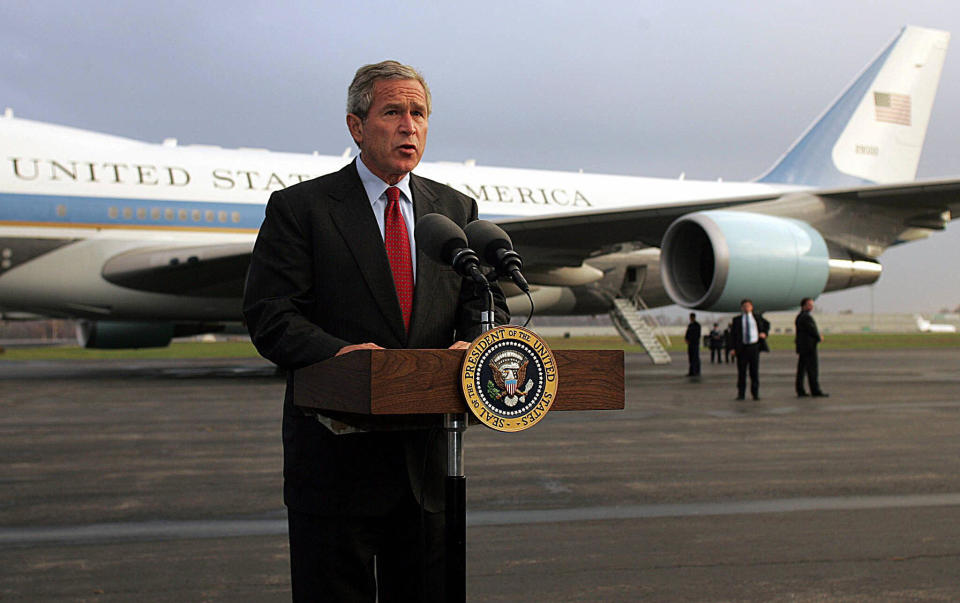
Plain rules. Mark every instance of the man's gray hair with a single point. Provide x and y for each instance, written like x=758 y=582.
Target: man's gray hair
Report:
x=360 y=92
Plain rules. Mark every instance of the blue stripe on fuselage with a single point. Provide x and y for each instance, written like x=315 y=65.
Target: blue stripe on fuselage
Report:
x=97 y=212
x=78 y=211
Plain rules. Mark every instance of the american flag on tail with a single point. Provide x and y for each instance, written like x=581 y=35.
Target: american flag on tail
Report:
x=892 y=108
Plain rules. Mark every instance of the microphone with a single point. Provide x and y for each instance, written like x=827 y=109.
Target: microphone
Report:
x=496 y=248
x=442 y=240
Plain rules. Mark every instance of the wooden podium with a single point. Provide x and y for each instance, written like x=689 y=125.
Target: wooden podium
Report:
x=379 y=383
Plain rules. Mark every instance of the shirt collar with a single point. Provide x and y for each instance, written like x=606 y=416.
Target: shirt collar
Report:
x=375 y=187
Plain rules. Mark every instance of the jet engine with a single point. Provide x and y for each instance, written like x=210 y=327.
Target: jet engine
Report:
x=711 y=260
x=116 y=335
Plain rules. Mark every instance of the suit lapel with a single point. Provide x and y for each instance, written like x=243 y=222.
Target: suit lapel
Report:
x=354 y=218
x=425 y=201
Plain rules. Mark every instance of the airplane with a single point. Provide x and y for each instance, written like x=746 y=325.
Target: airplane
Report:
x=925 y=326
x=143 y=242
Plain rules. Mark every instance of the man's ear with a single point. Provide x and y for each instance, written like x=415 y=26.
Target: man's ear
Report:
x=355 y=125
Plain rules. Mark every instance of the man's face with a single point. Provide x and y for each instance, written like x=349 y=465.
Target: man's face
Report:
x=747 y=307
x=808 y=305
x=394 y=133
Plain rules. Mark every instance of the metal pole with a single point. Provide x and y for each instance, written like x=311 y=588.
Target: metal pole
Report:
x=456 y=509
x=455 y=490
x=486 y=319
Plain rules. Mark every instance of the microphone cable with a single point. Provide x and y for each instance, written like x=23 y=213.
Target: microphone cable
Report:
x=491 y=307
x=530 y=315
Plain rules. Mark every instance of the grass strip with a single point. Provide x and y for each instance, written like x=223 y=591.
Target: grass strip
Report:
x=176 y=350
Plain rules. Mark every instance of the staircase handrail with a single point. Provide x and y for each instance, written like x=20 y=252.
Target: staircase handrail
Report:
x=651 y=321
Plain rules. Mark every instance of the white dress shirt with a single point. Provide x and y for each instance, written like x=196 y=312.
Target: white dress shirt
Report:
x=377 y=194
x=754 y=333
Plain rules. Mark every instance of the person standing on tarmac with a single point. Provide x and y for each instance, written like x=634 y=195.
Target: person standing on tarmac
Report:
x=807 y=339
x=692 y=338
x=749 y=333
x=716 y=339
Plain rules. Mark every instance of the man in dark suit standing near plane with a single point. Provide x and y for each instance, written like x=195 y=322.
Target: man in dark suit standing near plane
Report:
x=749 y=332
x=692 y=337
x=336 y=269
x=807 y=339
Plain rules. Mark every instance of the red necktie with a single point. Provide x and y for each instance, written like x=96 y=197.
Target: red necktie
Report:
x=398 y=252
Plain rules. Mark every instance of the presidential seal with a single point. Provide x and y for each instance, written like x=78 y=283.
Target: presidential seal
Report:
x=509 y=378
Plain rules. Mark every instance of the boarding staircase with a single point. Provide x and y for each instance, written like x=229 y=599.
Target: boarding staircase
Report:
x=636 y=325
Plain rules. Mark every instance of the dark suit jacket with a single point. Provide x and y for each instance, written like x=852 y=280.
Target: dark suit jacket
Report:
x=692 y=336
x=319 y=280
x=808 y=336
x=736 y=332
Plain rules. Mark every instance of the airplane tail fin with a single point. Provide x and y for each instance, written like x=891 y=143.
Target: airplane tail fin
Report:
x=873 y=133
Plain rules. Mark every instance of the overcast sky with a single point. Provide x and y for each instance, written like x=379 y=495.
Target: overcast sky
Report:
x=712 y=89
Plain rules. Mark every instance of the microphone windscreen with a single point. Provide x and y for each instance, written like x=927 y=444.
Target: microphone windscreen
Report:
x=486 y=238
x=439 y=236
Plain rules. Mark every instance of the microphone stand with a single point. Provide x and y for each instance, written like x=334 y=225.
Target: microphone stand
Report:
x=455 y=488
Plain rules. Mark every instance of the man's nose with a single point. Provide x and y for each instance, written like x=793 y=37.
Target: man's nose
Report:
x=407 y=124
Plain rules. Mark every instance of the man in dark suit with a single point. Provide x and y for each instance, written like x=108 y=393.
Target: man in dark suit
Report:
x=716 y=339
x=692 y=337
x=749 y=332
x=335 y=269
x=806 y=340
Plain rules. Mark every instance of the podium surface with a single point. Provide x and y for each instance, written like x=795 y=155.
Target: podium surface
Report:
x=391 y=382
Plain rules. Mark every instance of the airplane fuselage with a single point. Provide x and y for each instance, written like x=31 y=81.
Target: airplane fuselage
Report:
x=71 y=200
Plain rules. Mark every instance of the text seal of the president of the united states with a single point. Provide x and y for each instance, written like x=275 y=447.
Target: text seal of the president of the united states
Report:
x=509 y=378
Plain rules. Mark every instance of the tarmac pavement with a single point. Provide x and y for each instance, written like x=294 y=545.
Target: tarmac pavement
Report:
x=160 y=481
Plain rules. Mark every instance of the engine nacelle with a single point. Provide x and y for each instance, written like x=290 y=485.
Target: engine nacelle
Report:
x=711 y=260
x=115 y=335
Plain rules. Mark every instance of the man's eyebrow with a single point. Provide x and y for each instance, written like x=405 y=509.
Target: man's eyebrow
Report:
x=416 y=105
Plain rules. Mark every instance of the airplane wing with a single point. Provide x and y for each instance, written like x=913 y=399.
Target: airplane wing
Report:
x=568 y=239
x=930 y=195
x=565 y=239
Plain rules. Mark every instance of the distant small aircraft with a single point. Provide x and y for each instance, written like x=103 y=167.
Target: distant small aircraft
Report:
x=925 y=326
x=144 y=241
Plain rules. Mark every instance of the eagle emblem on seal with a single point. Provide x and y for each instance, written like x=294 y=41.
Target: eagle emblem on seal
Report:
x=509 y=370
